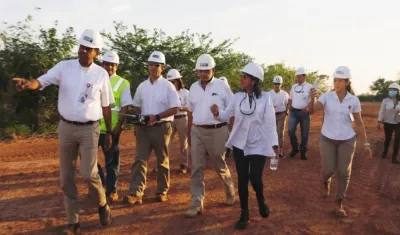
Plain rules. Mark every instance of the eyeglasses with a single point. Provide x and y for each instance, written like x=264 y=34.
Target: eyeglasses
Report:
x=277 y=84
x=153 y=65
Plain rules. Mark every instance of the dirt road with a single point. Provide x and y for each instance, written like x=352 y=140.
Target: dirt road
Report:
x=31 y=201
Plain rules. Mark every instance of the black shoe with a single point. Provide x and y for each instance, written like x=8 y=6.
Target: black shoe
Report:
x=395 y=162
x=105 y=215
x=263 y=209
x=293 y=153
x=73 y=229
x=243 y=220
x=303 y=155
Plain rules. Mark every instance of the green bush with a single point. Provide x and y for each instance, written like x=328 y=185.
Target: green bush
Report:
x=22 y=130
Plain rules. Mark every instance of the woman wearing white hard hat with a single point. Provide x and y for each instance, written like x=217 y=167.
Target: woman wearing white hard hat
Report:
x=253 y=137
x=389 y=117
x=338 y=138
x=179 y=125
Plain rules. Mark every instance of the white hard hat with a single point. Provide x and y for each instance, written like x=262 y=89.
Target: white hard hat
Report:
x=300 y=71
x=254 y=70
x=111 y=57
x=278 y=79
x=342 y=72
x=173 y=74
x=91 y=39
x=157 y=57
x=395 y=86
x=205 y=62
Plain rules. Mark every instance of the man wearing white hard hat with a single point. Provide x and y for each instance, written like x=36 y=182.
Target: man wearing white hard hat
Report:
x=157 y=101
x=338 y=137
x=179 y=125
x=84 y=97
x=253 y=137
x=122 y=95
x=389 y=118
x=280 y=99
x=207 y=136
x=298 y=105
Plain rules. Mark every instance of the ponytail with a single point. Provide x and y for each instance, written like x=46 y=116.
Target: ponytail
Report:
x=349 y=89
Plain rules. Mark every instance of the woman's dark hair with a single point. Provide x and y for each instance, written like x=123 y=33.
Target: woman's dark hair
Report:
x=180 y=84
x=349 y=89
x=256 y=87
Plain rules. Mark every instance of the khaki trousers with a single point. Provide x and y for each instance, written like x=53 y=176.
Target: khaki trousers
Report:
x=147 y=139
x=337 y=155
x=211 y=143
x=179 y=125
x=280 y=128
x=85 y=139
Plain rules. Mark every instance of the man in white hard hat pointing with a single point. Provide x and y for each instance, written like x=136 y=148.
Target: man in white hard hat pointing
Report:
x=280 y=99
x=84 y=98
x=157 y=100
x=122 y=95
x=207 y=136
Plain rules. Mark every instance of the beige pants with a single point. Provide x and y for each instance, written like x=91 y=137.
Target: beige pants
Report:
x=147 y=139
x=211 y=143
x=85 y=139
x=337 y=155
x=179 y=125
x=280 y=128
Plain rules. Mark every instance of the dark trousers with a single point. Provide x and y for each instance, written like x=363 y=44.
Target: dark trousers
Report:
x=112 y=164
x=389 y=129
x=249 y=168
x=296 y=117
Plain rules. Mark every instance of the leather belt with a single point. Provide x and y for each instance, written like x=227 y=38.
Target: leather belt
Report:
x=78 y=123
x=214 y=126
x=180 y=116
x=155 y=124
x=277 y=113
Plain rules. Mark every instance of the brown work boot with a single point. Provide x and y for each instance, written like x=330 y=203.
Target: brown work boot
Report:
x=183 y=169
x=113 y=197
x=339 y=211
x=161 y=197
x=194 y=211
x=325 y=189
x=105 y=215
x=73 y=229
x=133 y=199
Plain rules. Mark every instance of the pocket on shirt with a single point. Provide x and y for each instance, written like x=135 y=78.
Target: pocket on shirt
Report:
x=161 y=97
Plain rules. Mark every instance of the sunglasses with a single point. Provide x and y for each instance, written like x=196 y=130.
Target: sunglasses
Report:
x=277 y=84
x=153 y=65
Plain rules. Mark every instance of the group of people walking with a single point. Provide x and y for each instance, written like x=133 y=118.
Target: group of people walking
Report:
x=208 y=118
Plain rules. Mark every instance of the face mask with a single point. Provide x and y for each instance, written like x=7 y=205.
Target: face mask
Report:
x=392 y=93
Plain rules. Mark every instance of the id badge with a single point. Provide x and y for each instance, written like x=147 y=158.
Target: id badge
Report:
x=351 y=117
x=82 y=97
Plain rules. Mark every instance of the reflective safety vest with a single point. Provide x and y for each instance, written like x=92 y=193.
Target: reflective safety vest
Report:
x=118 y=85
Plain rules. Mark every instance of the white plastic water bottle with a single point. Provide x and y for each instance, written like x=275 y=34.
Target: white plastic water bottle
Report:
x=273 y=164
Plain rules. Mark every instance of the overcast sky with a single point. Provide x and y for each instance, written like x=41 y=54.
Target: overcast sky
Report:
x=319 y=35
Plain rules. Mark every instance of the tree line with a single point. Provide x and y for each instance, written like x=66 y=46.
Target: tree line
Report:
x=28 y=52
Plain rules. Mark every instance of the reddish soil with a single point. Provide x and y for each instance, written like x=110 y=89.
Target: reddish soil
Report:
x=32 y=203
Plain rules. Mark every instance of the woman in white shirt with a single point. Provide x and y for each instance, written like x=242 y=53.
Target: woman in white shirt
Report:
x=338 y=138
x=253 y=137
x=179 y=125
x=389 y=117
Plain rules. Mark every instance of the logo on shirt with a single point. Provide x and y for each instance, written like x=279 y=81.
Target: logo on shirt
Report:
x=86 y=38
x=214 y=94
x=349 y=107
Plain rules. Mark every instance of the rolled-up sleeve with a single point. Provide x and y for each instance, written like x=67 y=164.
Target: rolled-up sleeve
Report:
x=106 y=95
x=173 y=97
x=52 y=77
x=229 y=111
x=137 y=97
x=270 y=122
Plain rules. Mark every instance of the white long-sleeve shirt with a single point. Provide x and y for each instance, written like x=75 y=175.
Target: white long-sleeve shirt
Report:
x=255 y=133
x=389 y=112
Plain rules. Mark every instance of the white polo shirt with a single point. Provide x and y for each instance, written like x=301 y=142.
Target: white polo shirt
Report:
x=254 y=133
x=76 y=82
x=337 y=121
x=216 y=92
x=279 y=100
x=156 y=98
x=183 y=98
x=300 y=95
